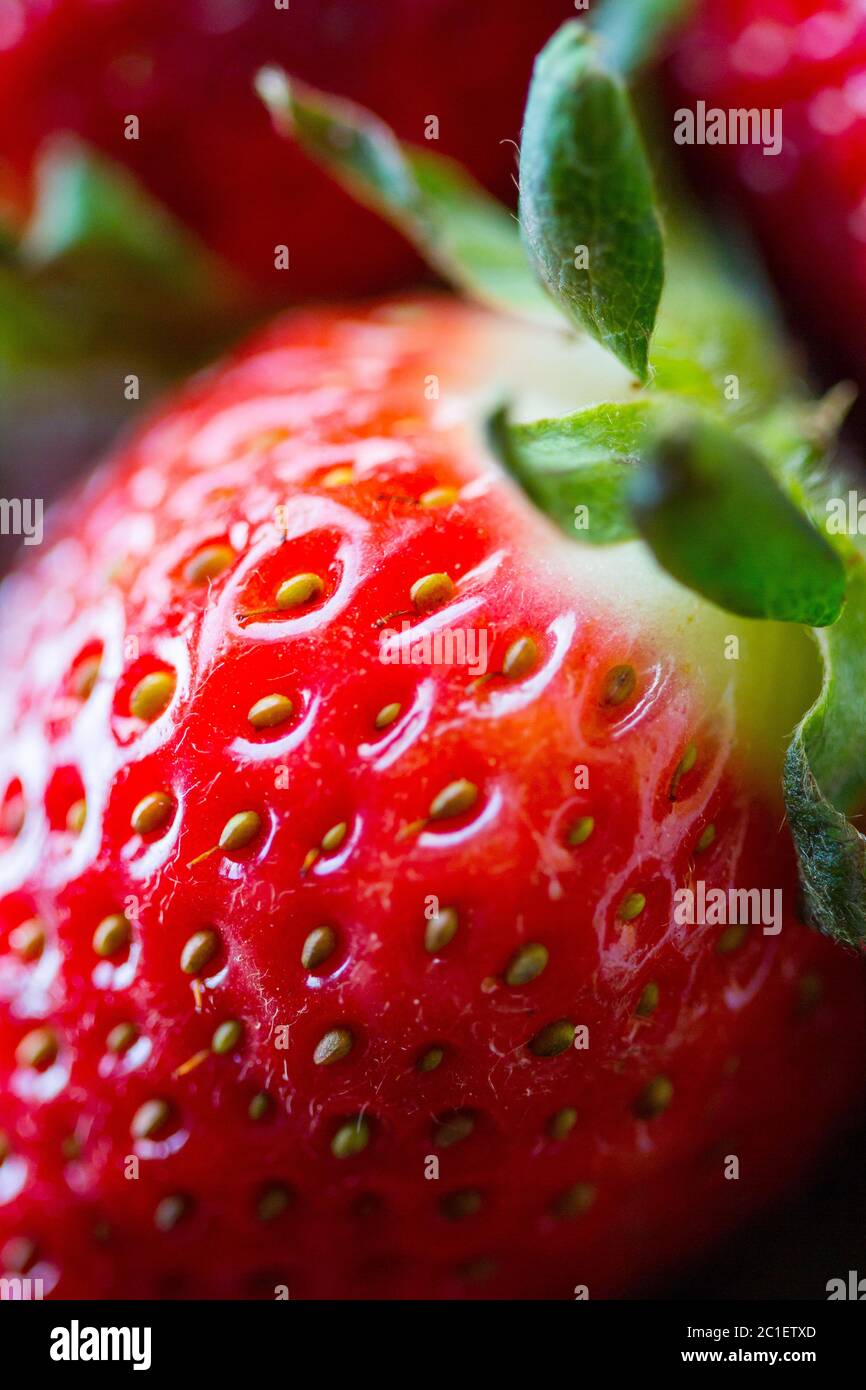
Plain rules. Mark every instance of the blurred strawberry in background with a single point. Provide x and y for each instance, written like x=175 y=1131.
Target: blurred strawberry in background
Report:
x=807 y=204
x=97 y=282
x=205 y=145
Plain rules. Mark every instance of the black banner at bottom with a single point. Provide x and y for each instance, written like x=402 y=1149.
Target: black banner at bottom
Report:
x=60 y=1339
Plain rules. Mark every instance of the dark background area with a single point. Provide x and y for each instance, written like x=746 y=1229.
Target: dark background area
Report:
x=791 y=1252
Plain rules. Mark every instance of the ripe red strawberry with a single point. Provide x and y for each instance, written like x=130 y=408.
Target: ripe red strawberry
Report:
x=428 y=881
x=185 y=68
x=807 y=205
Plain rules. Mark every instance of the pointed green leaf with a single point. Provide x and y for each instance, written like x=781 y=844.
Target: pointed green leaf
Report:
x=102 y=264
x=718 y=521
x=461 y=231
x=576 y=468
x=587 y=209
x=87 y=207
x=92 y=213
x=825 y=778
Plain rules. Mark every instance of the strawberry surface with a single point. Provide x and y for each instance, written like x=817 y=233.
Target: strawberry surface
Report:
x=205 y=145
x=807 y=205
x=260 y=963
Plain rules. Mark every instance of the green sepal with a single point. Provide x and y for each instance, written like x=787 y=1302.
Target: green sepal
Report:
x=577 y=467
x=824 y=781
x=718 y=521
x=463 y=233
x=587 y=203
x=101 y=265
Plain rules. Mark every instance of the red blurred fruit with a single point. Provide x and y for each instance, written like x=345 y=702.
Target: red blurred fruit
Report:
x=807 y=204
x=286 y=921
x=206 y=147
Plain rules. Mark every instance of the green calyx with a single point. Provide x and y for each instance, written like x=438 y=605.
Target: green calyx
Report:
x=717 y=520
x=587 y=210
x=718 y=463
x=825 y=776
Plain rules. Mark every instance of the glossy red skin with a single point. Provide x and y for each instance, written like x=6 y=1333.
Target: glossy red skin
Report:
x=807 y=206
x=755 y=1073
x=207 y=147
